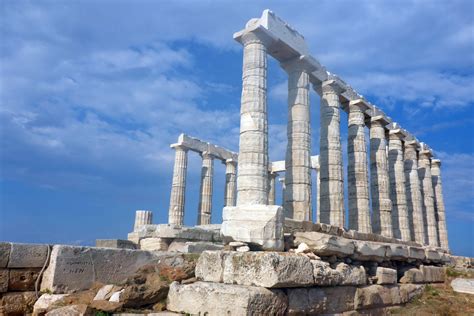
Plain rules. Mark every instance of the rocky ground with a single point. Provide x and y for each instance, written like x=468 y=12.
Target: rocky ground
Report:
x=440 y=299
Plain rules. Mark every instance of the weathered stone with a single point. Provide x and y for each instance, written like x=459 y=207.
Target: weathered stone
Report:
x=386 y=276
x=23 y=279
x=5 y=248
x=178 y=185
x=416 y=253
x=4 y=280
x=260 y=225
x=153 y=244
x=324 y=300
x=17 y=303
x=243 y=249
x=77 y=268
x=399 y=252
x=433 y=274
x=341 y=274
x=412 y=276
x=373 y=296
x=237 y=244
x=461 y=285
x=410 y=291
x=116 y=296
x=193 y=246
x=210 y=266
x=366 y=250
x=72 y=310
x=268 y=269
x=302 y=248
x=45 y=302
x=351 y=275
x=225 y=299
x=170 y=231
x=28 y=255
x=115 y=243
x=104 y=292
x=205 y=196
x=325 y=245
x=432 y=255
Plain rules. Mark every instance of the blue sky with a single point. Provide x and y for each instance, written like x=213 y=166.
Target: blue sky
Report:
x=93 y=92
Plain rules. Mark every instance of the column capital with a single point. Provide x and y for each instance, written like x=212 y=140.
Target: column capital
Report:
x=425 y=150
x=206 y=155
x=230 y=161
x=255 y=35
x=359 y=105
x=330 y=86
x=436 y=162
x=300 y=63
x=179 y=146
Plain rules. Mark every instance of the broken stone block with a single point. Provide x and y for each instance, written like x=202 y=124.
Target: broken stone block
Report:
x=115 y=243
x=203 y=298
x=201 y=233
x=193 y=246
x=210 y=266
x=268 y=269
x=433 y=274
x=412 y=275
x=260 y=225
x=325 y=245
x=71 y=310
x=461 y=285
x=23 y=279
x=373 y=296
x=324 y=275
x=370 y=251
x=432 y=255
x=153 y=244
x=45 y=302
x=416 y=253
x=320 y=300
x=386 y=275
x=17 y=303
x=398 y=252
x=104 y=292
x=77 y=268
x=5 y=248
x=351 y=275
x=410 y=291
x=4 y=280
x=28 y=255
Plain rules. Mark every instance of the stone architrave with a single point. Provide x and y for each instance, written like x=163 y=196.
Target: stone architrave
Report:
x=357 y=174
x=424 y=171
x=330 y=156
x=400 y=222
x=439 y=202
x=142 y=218
x=297 y=203
x=272 y=188
x=381 y=203
x=230 y=182
x=178 y=187
x=205 y=199
x=413 y=192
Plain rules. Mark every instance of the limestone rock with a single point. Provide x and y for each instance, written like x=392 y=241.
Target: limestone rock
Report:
x=104 y=292
x=399 y=252
x=324 y=275
x=5 y=248
x=243 y=249
x=27 y=255
x=320 y=300
x=412 y=276
x=225 y=299
x=153 y=244
x=23 y=279
x=115 y=243
x=45 y=302
x=410 y=291
x=268 y=269
x=17 y=303
x=116 y=296
x=373 y=296
x=433 y=274
x=302 y=248
x=201 y=233
x=432 y=255
x=4 y=276
x=193 y=246
x=386 y=275
x=72 y=310
x=461 y=285
x=325 y=245
x=370 y=251
x=210 y=266
x=416 y=253
x=351 y=275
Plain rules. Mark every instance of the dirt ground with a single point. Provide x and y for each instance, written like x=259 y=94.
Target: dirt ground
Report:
x=440 y=299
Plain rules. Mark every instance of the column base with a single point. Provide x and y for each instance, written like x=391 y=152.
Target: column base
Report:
x=258 y=225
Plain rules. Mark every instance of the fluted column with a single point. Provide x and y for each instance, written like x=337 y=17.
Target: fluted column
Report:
x=272 y=188
x=357 y=173
x=424 y=171
x=318 y=199
x=439 y=202
x=230 y=182
x=381 y=203
x=178 y=186
x=205 y=198
x=413 y=192
x=400 y=223
x=142 y=218
x=298 y=151
x=283 y=187
x=252 y=168
x=330 y=156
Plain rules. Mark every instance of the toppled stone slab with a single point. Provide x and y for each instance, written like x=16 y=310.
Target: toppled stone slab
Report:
x=27 y=255
x=5 y=249
x=320 y=300
x=153 y=244
x=23 y=279
x=461 y=285
x=325 y=244
x=374 y=296
x=115 y=243
x=203 y=298
x=433 y=274
x=257 y=225
x=193 y=246
x=77 y=268
x=386 y=275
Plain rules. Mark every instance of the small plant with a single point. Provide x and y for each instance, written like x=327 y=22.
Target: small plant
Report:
x=102 y=313
x=431 y=290
x=451 y=272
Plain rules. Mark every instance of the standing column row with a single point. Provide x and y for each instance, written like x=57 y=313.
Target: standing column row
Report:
x=439 y=203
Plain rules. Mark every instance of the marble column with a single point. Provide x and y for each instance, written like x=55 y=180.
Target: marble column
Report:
x=424 y=171
x=272 y=188
x=297 y=203
x=252 y=181
x=357 y=173
x=318 y=199
x=230 y=182
x=400 y=223
x=205 y=198
x=381 y=203
x=142 y=218
x=178 y=186
x=330 y=156
x=439 y=202
x=283 y=187
x=413 y=192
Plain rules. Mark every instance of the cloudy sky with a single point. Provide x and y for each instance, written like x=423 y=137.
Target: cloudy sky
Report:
x=93 y=92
